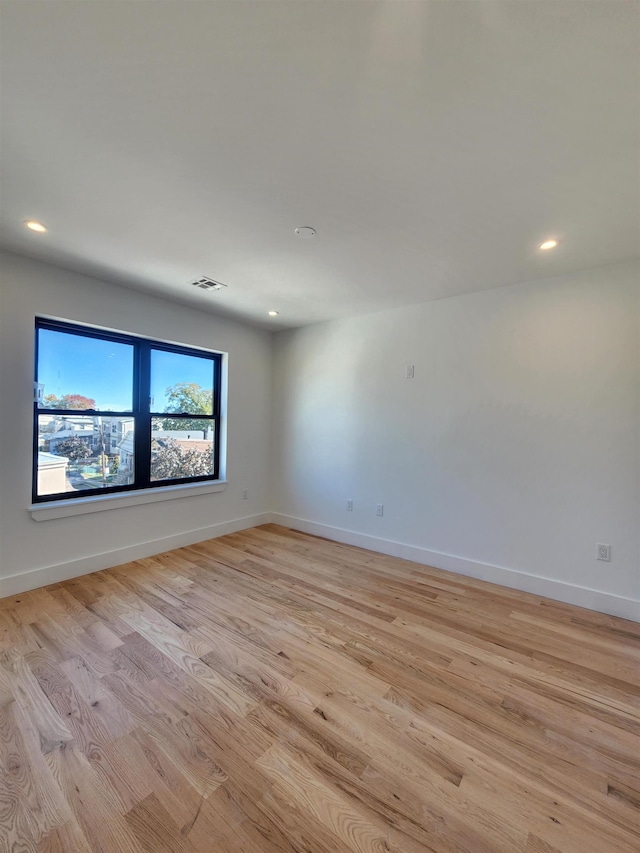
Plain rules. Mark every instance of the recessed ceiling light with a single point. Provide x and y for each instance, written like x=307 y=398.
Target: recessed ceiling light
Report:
x=273 y=313
x=34 y=225
x=548 y=244
x=306 y=231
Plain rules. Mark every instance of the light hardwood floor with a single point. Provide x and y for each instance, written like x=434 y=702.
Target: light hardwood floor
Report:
x=272 y=691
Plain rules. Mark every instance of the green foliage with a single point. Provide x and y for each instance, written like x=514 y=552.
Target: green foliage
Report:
x=188 y=397
x=69 y=401
x=73 y=448
x=172 y=461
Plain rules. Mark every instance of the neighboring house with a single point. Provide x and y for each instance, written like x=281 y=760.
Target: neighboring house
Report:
x=61 y=427
x=52 y=474
x=92 y=430
x=52 y=441
x=189 y=443
x=126 y=450
x=117 y=428
x=200 y=445
x=195 y=439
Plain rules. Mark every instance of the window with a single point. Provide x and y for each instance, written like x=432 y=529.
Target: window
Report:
x=117 y=413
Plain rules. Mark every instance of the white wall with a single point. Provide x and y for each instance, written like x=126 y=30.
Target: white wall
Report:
x=515 y=449
x=52 y=549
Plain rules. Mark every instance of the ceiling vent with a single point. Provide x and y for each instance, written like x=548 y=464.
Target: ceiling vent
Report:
x=205 y=283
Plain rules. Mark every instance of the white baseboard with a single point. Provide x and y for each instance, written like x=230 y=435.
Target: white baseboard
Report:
x=15 y=584
x=593 y=599
x=603 y=602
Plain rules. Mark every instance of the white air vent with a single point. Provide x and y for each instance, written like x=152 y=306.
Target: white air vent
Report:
x=205 y=283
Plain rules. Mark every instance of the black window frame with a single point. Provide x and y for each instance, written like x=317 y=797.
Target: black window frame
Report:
x=141 y=410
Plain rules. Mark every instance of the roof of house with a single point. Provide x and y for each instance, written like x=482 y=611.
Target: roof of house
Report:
x=50 y=460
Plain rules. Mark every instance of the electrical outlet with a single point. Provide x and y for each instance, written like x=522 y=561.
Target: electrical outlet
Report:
x=245 y=494
x=603 y=552
x=380 y=509
x=349 y=505
x=409 y=374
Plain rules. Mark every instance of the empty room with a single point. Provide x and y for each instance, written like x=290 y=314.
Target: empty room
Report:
x=320 y=426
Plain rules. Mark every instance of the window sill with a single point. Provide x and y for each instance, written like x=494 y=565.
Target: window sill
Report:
x=98 y=503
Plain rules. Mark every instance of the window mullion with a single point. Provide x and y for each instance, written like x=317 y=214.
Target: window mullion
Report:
x=142 y=384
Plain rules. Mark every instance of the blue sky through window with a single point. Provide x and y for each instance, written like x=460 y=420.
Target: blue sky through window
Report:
x=169 y=368
x=102 y=370
x=98 y=369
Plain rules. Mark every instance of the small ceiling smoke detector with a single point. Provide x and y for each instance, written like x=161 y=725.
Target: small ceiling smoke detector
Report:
x=548 y=244
x=273 y=313
x=206 y=283
x=306 y=231
x=34 y=225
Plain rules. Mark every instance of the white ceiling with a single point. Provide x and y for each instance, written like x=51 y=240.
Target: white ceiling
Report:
x=432 y=145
